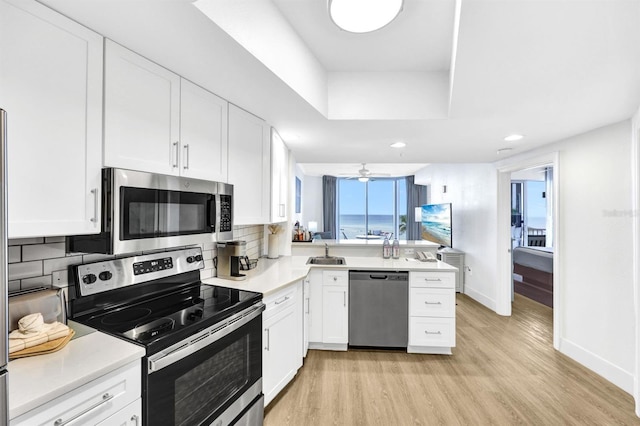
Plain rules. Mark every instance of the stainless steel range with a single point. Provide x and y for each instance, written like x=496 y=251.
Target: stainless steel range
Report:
x=203 y=362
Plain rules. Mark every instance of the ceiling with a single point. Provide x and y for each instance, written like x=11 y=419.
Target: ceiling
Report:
x=450 y=79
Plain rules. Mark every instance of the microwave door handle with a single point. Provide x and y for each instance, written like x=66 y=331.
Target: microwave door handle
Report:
x=214 y=212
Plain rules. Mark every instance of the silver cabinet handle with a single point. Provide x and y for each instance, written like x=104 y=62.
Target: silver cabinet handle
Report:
x=281 y=210
x=105 y=398
x=176 y=150
x=186 y=156
x=432 y=279
x=432 y=303
x=268 y=335
x=94 y=219
x=134 y=419
x=307 y=310
x=284 y=299
x=432 y=332
x=344 y=294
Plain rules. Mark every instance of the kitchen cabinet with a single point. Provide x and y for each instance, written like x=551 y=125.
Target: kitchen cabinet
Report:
x=306 y=318
x=115 y=394
x=158 y=122
x=335 y=309
x=249 y=167
x=282 y=340
x=279 y=178
x=432 y=312
x=51 y=79
x=315 y=308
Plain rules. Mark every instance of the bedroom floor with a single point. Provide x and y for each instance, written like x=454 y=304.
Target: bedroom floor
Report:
x=504 y=371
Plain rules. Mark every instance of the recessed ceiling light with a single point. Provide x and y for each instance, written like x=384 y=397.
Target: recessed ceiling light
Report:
x=513 y=138
x=504 y=150
x=363 y=16
x=398 y=145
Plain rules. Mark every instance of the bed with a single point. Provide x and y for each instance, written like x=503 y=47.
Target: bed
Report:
x=533 y=273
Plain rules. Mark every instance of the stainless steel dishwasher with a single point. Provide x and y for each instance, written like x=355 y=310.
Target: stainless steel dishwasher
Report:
x=378 y=308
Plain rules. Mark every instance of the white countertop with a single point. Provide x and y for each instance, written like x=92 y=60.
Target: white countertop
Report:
x=271 y=275
x=36 y=380
x=366 y=242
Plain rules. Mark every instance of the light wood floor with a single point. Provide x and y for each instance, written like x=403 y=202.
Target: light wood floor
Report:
x=504 y=371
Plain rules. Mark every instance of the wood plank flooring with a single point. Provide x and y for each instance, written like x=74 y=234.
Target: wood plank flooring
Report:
x=504 y=371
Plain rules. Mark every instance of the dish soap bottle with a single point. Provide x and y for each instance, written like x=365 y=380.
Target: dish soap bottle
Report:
x=386 y=248
x=396 y=249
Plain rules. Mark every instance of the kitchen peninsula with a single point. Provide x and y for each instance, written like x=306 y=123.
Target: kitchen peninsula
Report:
x=307 y=307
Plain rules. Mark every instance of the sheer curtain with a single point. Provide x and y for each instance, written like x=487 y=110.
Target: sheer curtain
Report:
x=329 y=200
x=416 y=196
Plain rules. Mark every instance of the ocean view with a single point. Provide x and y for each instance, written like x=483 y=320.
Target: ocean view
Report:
x=353 y=225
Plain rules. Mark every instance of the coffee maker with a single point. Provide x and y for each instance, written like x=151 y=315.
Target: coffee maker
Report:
x=229 y=256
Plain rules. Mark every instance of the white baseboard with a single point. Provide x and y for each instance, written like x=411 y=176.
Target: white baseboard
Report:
x=480 y=298
x=616 y=375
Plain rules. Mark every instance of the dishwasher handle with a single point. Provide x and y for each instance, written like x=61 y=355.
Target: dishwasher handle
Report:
x=378 y=277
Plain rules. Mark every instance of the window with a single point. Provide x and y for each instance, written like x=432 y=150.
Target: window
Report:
x=373 y=209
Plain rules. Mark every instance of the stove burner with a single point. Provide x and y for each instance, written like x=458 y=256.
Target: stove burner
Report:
x=127 y=315
x=218 y=298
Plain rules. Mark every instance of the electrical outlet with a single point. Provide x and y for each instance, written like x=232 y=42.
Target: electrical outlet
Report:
x=409 y=251
x=60 y=278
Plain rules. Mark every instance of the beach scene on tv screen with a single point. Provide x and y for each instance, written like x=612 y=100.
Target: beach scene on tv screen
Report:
x=436 y=223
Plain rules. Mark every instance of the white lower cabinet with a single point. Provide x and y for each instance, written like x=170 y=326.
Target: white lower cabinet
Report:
x=315 y=308
x=328 y=309
x=306 y=317
x=432 y=312
x=282 y=340
x=115 y=395
x=131 y=415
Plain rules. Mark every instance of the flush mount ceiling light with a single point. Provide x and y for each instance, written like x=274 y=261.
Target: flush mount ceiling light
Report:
x=398 y=145
x=363 y=16
x=513 y=138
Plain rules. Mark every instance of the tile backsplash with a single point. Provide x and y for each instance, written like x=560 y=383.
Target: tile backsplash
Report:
x=43 y=262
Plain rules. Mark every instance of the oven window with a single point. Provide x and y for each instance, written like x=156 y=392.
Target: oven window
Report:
x=150 y=213
x=201 y=386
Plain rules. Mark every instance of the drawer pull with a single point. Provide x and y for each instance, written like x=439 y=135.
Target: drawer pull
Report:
x=134 y=419
x=284 y=299
x=105 y=398
x=432 y=332
x=432 y=303
x=433 y=279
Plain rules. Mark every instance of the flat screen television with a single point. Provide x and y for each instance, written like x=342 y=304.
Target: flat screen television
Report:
x=436 y=223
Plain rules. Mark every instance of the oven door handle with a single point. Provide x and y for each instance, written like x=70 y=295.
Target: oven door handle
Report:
x=198 y=341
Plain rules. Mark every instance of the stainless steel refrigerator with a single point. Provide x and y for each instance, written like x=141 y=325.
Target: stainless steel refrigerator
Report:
x=4 y=279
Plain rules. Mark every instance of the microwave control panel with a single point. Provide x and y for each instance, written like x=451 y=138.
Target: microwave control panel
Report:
x=225 y=213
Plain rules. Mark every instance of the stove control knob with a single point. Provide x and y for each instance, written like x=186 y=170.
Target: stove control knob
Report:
x=105 y=275
x=198 y=258
x=190 y=259
x=89 y=279
x=194 y=315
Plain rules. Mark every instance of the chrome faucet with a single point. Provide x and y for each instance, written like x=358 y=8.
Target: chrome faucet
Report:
x=326 y=250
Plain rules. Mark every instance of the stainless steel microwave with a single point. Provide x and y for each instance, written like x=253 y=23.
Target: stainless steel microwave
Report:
x=146 y=211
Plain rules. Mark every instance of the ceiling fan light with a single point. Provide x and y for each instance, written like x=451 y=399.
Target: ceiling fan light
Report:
x=363 y=16
x=363 y=179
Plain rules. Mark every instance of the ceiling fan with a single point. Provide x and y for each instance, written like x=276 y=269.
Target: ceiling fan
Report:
x=364 y=174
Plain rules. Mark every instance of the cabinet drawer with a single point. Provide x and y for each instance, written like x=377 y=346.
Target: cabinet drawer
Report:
x=90 y=403
x=433 y=279
x=282 y=299
x=432 y=302
x=335 y=278
x=425 y=331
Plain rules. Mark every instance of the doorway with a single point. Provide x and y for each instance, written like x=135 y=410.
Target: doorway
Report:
x=505 y=245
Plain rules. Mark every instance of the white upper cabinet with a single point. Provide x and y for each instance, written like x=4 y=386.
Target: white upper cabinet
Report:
x=249 y=167
x=51 y=88
x=157 y=122
x=279 y=178
x=142 y=113
x=203 y=133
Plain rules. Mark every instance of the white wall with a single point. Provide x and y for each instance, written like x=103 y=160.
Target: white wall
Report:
x=312 y=201
x=472 y=192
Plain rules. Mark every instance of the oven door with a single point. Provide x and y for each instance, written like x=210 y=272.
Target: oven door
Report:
x=213 y=378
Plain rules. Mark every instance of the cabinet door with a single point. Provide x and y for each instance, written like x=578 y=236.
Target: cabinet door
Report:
x=249 y=167
x=142 y=113
x=203 y=133
x=279 y=178
x=279 y=353
x=335 y=324
x=131 y=415
x=315 y=306
x=306 y=318
x=51 y=80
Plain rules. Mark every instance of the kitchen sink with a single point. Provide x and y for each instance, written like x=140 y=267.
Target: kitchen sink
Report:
x=326 y=260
